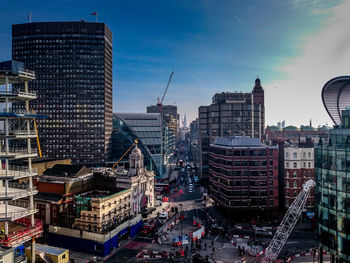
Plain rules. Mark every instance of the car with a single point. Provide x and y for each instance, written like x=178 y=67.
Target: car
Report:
x=158 y=203
x=259 y=231
x=190 y=191
x=190 y=186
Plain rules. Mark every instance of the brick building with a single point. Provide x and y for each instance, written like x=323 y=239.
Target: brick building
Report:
x=243 y=174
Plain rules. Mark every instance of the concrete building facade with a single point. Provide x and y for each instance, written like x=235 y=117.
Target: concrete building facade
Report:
x=73 y=65
x=298 y=168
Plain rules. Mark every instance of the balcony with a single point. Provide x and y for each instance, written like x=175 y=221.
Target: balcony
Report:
x=18 y=134
x=15 y=153
x=14 y=212
x=16 y=193
x=15 y=173
x=19 y=95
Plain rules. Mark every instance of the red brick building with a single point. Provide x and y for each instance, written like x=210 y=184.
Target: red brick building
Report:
x=243 y=174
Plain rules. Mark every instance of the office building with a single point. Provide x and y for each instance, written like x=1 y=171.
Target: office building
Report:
x=170 y=116
x=230 y=114
x=332 y=168
x=156 y=141
x=73 y=65
x=244 y=174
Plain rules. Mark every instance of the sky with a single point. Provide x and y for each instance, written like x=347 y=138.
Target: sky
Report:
x=294 y=47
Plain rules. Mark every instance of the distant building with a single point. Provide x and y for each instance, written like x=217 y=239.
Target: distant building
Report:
x=244 y=174
x=156 y=141
x=166 y=110
x=298 y=168
x=230 y=114
x=295 y=134
x=73 y=65
x=170 y=116
x=194 y=127
x=332 y=167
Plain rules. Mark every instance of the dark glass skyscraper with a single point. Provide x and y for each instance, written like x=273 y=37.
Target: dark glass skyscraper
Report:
x=332 y=168
x=73 y=65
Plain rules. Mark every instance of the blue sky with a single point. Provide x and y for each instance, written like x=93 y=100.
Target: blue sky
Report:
x=212 y=46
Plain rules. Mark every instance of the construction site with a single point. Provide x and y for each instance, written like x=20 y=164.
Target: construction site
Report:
x=18 y=130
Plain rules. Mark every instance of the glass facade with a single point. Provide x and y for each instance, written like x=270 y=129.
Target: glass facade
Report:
x=332 y=168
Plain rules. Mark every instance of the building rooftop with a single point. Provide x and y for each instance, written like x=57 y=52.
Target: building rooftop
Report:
x=238 y=141
x=336 y=97
x=67 y=170
x=49 y=250
x=291 y=128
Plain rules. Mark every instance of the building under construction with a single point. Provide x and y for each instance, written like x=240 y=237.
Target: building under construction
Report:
x=17 y=130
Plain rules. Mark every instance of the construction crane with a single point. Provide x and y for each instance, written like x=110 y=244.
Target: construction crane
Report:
x=288 y=223
x=160 y=102
x=121 y=158
x=37 y=137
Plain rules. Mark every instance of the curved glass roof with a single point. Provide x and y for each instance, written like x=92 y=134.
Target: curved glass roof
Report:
x=336 y=96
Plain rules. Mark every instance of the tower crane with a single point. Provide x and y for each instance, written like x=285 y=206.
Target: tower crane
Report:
x=288 y=223
x=160 y=102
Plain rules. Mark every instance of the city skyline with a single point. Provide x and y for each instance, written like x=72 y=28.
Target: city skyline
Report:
x=293 y=47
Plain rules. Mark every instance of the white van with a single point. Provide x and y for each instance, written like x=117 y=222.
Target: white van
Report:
x=163 y=217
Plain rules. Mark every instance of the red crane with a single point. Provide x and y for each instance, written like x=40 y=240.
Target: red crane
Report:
x=160 y=102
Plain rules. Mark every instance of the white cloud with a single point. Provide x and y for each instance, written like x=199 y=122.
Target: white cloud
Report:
x=325 y=55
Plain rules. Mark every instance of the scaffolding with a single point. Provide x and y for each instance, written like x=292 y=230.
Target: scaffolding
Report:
x=16 y=132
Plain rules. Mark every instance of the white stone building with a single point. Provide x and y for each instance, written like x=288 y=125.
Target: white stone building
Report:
x=139 y=180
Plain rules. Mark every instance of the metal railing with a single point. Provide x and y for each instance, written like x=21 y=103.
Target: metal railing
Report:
x=14 y=151
x=18 y=214
x=18 y=92
x=26 y=73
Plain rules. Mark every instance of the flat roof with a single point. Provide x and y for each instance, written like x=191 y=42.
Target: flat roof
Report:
x=49 y=250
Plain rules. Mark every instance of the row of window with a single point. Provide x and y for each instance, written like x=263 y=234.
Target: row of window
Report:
x=295 y=165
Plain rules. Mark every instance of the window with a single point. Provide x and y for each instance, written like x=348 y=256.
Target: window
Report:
x=295 y=174
x=295 y=184
x=287 y=164
x=295 y=165
x=308 y=164
x=309 y=154
x=287 y=154
x=295 y=155
x=287 y=174
x=287 y=184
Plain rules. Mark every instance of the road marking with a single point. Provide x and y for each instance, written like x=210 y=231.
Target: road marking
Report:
x=216 y=238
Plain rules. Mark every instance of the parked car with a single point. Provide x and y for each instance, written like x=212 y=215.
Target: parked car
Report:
x=259 y=231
